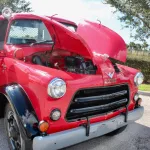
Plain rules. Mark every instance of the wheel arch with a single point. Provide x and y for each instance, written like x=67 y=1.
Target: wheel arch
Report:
x=15 y=95
x=3 y=102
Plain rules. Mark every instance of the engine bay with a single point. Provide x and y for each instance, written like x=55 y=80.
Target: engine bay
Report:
x=63 y=60
x=77 y=64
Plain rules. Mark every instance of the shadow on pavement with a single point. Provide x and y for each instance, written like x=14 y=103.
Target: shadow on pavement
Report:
x=3 y=139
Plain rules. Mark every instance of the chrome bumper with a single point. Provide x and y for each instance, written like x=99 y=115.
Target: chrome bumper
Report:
x=73 y=136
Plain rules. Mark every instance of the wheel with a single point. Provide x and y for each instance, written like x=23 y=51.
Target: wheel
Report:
x=115 y=132
x=15 y=140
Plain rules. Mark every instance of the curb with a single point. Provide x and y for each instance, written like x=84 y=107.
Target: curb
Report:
x=144 y=93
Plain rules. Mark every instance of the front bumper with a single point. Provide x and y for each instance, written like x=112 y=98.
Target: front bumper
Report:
x=73 y=136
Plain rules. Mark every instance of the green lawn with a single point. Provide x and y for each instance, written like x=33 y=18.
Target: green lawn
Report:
x=144 y=87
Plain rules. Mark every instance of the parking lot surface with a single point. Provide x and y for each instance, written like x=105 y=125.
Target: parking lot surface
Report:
x=135 y=137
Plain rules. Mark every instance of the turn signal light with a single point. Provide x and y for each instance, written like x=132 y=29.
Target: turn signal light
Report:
x=43 y=126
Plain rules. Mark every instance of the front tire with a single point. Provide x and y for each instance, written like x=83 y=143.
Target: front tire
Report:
x=14 y=136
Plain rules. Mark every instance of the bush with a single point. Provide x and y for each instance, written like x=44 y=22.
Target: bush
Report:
x=142 y=65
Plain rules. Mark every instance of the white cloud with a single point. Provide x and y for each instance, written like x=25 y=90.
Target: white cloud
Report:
x=77 y=10
x=74 y=10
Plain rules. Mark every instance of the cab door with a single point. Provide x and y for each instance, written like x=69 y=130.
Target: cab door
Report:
x=3 y=30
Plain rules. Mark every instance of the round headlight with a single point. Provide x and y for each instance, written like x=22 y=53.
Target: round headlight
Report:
x=56 y=88
x=139 y=78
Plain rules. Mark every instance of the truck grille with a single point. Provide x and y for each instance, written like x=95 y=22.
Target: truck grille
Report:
x=90 y=102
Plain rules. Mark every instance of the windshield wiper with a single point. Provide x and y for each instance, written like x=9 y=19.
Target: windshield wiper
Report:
x=42 y=42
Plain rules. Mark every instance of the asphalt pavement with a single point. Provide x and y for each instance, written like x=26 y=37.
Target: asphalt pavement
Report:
x=135 y=137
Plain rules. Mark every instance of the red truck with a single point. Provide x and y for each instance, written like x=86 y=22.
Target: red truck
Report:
x=61 y=83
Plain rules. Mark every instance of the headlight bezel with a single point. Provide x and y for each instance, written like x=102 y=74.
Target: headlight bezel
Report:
x=138 y=79
x=54 y=83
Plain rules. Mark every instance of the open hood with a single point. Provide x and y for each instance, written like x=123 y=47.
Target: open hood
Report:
x=91 y=40
x=103 y=40
x=71 y=41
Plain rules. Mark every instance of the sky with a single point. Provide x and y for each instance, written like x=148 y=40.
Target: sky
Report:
x=77 y=10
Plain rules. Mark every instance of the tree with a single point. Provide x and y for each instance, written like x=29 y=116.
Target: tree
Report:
x=132 y=46
x=135 y=46
x=145 y=46
x=136 y=15
x=16 y=5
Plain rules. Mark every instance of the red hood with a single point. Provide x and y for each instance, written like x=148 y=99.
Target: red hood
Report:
x=71 y=41
x=102 y=40
x=92 y=40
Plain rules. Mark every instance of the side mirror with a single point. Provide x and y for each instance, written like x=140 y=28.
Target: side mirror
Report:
x=19 y=54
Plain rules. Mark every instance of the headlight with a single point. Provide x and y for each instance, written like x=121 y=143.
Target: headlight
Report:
x=139 y=78
x=56 y=88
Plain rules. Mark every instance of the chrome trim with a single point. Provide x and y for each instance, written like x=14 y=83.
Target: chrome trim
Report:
x=100 y=97
x=77 y=135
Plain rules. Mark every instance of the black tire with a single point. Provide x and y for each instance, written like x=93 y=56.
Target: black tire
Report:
x=115 y=132
x=11 y=124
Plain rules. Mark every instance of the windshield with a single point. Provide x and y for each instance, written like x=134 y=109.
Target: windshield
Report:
x=28 y=31
x=70 y=26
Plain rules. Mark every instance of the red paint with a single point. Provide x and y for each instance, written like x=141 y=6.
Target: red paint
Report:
x=90 y=41
x=102 y=40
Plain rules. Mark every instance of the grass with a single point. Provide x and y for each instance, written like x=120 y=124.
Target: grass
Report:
x=144 y=87
x=139 y=55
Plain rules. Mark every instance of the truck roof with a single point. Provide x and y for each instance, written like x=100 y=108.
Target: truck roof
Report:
x=1 y=17
x=34 y=16
x=62 y=20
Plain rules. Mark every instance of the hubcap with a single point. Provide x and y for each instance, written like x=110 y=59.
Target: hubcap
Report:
x=13 y=131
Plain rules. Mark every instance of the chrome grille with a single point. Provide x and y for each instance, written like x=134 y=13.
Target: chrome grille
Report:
x=89 y=102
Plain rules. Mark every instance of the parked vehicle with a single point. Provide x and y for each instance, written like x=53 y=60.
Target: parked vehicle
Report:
x=60 y=87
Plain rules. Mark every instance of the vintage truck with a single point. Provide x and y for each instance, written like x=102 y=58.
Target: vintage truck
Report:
x=62 y=83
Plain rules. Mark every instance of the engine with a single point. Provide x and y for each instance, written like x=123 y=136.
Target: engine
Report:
x=77 y=64
x=73 y=63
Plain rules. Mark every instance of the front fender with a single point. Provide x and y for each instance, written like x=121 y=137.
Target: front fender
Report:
x=22 y=106
x=129 y=73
